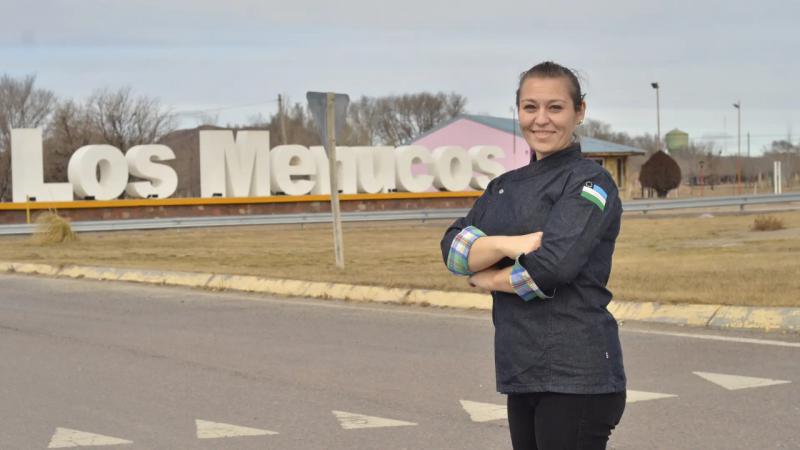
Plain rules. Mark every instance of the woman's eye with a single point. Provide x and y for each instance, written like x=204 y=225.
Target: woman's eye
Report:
x=555 y=108
x=530 y=108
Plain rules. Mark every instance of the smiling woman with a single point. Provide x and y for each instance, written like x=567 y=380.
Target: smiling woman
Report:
x=540 y=238
x=550 y=106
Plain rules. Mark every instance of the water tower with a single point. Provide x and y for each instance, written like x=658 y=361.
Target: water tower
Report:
x=677 y=141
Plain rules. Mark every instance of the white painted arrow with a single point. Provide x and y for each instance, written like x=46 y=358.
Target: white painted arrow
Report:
x=214 y=430
x=484 y=412
x=351 y=421
x=65 y=438
x=734 y=382
x=641 y=396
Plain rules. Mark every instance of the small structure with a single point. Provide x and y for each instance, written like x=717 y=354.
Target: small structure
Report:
x=677 y=141
x=471 y=130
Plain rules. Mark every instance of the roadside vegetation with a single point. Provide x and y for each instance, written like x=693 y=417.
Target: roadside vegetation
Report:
x=699 y=259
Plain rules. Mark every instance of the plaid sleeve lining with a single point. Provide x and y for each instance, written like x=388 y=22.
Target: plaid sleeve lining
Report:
x=524 y=285
x=459 y=250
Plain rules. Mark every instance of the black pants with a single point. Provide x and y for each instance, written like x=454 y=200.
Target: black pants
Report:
x=550 y=421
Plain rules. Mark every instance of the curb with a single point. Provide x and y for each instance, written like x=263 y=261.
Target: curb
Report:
x=710 y=316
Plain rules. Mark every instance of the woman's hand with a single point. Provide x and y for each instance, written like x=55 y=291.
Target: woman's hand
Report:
x=526 y=243
x=492 y=280
x=483 y=280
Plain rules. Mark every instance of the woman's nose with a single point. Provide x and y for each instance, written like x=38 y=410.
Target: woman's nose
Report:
x=541 y=118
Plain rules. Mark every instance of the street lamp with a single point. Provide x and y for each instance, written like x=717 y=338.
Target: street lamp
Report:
x=658 y=117
x=702 y=179
x=738 y=106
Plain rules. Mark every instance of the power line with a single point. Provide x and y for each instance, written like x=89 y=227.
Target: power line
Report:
x=198 y=112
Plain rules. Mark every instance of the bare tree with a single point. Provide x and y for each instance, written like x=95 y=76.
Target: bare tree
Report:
x=70 y=128
x=22 y=105
x=123 y=120
x=395 y=120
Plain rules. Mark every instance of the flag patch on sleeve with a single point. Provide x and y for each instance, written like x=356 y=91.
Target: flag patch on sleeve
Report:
x=594 y=194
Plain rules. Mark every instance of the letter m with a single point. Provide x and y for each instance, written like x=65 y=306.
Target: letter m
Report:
x=234 y=167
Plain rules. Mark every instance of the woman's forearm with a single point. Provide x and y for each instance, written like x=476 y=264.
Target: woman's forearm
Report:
x=493 y=280
x=486 y=252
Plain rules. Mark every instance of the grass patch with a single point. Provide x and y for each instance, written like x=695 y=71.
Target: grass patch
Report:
x=666 y=259
x=53 y=229
x=767 y=223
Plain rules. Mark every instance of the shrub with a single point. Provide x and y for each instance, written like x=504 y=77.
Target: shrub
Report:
x=767 y=223
x=53 y=229
x=661 y=173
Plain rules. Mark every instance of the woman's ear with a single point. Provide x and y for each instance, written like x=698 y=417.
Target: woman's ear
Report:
x=581 y=113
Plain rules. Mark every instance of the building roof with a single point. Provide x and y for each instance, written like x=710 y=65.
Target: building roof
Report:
x=588 y=145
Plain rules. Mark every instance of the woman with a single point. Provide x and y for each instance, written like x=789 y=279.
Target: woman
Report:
x=540 y=238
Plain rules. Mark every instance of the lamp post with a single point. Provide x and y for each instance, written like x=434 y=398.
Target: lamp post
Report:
x=658 y=117
x=702 y=178
x=738 y=106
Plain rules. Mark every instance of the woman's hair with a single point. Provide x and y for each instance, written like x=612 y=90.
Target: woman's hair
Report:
x=549 y=69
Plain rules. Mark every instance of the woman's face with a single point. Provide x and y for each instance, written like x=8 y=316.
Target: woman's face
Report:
x=547 y=116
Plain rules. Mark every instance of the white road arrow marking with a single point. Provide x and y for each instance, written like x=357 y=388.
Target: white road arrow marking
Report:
x=214 y=430
x=65 y=438
x=484 y=412
x=352 y=421
x=641 y=396
x=734 y=382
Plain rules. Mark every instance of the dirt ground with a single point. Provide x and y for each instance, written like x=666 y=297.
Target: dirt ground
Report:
x=689 y=258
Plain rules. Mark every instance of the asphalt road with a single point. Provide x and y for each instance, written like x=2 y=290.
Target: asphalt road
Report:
x=145 y=367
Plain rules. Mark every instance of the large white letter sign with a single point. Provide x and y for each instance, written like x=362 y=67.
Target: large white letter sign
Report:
x=345 y=165
x=452 y=168
x=162 y=179
x=83 y=168
x=234 y=167
x=375 y=169
x=484 y=161
x=292 y=169
x=406 y=156
x=27 y=178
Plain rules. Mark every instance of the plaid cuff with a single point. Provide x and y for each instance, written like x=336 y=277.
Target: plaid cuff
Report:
x=459 y=250
x=524 y=285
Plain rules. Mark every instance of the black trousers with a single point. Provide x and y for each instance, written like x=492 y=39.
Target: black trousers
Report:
x=551 y=421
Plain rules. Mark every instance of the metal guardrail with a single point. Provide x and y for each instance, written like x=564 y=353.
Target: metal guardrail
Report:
x=643 y=206
x=709 y=202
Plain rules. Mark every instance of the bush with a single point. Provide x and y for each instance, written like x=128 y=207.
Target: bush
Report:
x=661 y=173
x=53 y=229
x=767 y=223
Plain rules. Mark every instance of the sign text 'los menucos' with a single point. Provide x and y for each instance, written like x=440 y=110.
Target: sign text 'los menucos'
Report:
x=244 y=166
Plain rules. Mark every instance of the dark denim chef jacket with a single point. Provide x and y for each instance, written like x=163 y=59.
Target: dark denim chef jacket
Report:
x=567 y=342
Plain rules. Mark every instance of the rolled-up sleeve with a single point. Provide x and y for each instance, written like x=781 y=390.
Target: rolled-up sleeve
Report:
x=460 y=236
x=458 y=256
x=574 y=227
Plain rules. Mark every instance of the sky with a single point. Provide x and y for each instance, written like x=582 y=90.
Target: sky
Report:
x=230 y=60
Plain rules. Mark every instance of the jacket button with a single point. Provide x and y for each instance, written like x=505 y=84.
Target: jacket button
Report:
x=501 y=191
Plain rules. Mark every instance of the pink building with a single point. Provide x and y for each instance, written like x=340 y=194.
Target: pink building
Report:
x=470 y=130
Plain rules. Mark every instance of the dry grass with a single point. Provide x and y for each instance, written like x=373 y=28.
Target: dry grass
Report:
x=52 y=229
x=666 y=259
x=767 y=223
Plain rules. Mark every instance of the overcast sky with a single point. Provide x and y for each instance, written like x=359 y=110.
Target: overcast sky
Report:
x=204 y=55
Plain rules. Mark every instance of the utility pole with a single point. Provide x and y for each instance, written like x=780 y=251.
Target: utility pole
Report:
x=281 y=120
x=738 y=106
